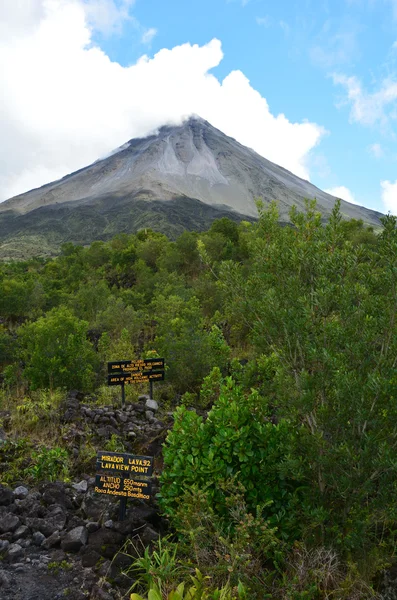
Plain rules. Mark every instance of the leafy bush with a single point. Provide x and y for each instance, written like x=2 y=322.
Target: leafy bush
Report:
x=197 y=591
x=114 y=444
x=191 y=351
x=39 y=409
x=15 y=456
x=236 y=547
x=49 y=464
x=236 y=442
x=56 y=351
x=325 y=309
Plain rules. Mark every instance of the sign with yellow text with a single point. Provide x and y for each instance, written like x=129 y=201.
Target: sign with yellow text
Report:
x=138 y=377
x=134 y=366
x=112 y=485
x=125 y=464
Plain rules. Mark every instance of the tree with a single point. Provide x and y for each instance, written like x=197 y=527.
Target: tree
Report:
x=189 y=349
x=56 y=352
x=324 y=309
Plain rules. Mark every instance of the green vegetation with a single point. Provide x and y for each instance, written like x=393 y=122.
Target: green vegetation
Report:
x=56 y=567
x=197 y=591
x=280 y=474
x=42 y=232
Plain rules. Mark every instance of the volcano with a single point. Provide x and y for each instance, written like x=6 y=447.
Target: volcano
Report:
x=182 y=177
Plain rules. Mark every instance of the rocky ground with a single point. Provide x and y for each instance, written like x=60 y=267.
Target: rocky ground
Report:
x=137 y=424
x=60 y=541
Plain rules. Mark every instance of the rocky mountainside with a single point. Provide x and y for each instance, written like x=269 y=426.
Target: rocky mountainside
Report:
x=183 y=177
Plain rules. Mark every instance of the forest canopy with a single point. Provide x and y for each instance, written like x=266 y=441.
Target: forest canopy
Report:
x=284 y=338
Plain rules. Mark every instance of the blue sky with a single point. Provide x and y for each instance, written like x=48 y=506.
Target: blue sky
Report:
x=329 y=64
x=291 y=51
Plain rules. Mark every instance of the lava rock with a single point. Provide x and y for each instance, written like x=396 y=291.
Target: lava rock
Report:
x=8 y=522
x=55 y=493
x=14 y=552
x=21 y=533
x=5 y=579
x=93 y=508
x=75 y=521
x=99 y=593
x=49 y=525
x=149 y=535
x=31 y=504
x=53 y=540
x=20 y=492
x=75 y=539
x=89 y=557
x=38 y=538
x=6 y=496
x=80 y=487
x=140 y=515
x=92 y=526
x=105 y=541
x=151 y=404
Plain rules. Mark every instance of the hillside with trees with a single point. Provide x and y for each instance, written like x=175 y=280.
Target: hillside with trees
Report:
x=277 y=471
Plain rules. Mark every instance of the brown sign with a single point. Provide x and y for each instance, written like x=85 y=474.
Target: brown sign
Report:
x=112 y=485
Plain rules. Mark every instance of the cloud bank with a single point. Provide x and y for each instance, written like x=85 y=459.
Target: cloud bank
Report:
x=343 y=193
x=64 y=103
x=389 y=196
x=369 y=108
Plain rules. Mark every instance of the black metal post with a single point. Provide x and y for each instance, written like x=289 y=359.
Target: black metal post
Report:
x=122 y=508
x=151 y=389
x=122 y=394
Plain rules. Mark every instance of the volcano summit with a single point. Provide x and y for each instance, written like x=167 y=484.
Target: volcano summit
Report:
x=182 y=177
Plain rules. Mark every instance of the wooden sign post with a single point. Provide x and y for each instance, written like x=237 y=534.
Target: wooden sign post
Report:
x=127 y=372
x=125 y=476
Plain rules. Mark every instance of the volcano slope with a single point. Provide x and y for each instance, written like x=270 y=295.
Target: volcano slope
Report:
x=182 y=177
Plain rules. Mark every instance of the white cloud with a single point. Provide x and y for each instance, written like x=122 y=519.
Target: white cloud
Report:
x=264 y=21
x=389 y=196
x=369 y=108
x=286 y=28
x=376 y=150
x=242 y=2
x=343 y=193
x=107 y=16
x=64 y=103
x=148 y=35
x=334 y=49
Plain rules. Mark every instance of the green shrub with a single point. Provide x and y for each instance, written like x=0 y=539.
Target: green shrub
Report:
x=49 y=464
x=14 y=458
x=236 y=442
x=39 y=409
x=197 y=591
x=56 y=351
x=114 y=444
x=237 y=548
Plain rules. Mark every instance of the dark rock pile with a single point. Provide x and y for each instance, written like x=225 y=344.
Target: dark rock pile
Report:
x=61 y=540
x=136 y=423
